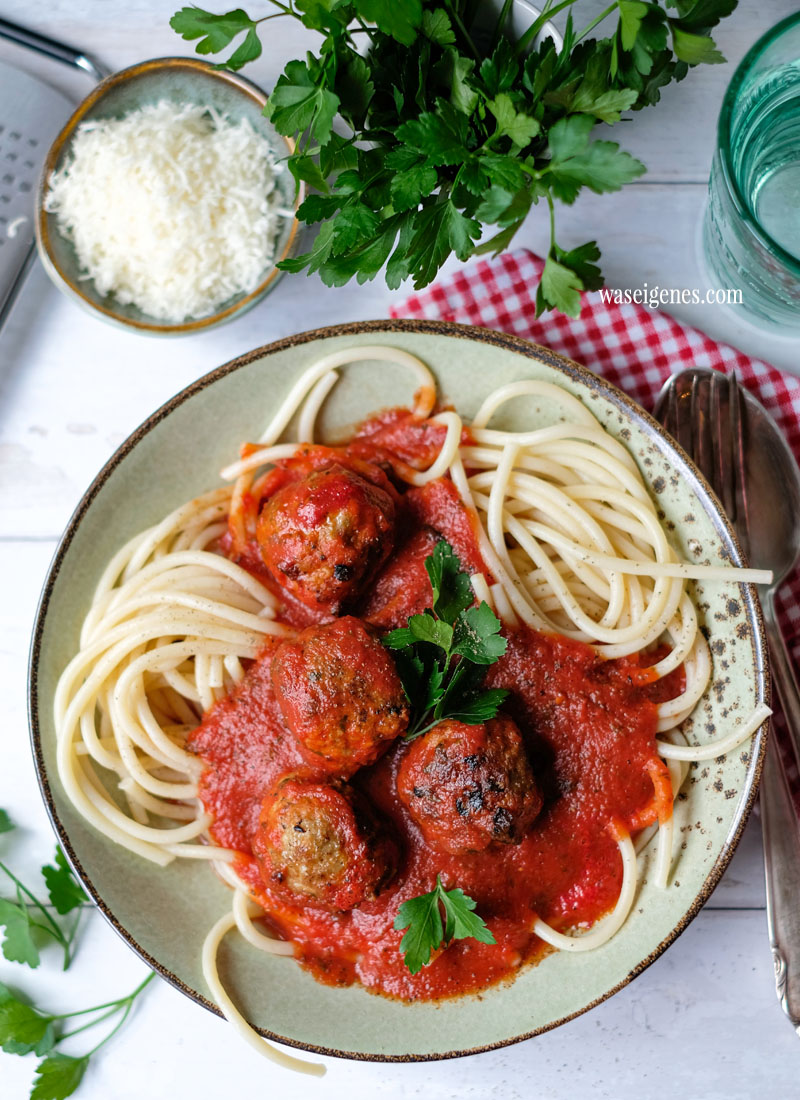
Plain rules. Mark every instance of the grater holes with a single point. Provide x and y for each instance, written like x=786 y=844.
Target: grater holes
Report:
x=33 y=142
x=15 y=135
x=29 y=164
x=11 y=157
x=24 y=186
x=8 y=178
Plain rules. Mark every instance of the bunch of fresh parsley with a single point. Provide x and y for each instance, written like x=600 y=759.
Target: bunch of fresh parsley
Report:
x=442 y=654
x=25 y=1029
x=445 y=127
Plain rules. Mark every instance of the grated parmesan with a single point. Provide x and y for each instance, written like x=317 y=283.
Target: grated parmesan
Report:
x=170 y=209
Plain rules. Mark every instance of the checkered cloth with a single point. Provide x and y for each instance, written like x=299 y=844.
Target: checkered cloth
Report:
x=632 y=347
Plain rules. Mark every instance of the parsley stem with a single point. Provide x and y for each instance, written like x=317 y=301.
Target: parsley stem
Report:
x=74 y=932
x=363 y=26
x=118 y=1003
x=56 y=931
x=459 y=23
x=552 y=223
x=128 y=1002
x=526 y=39
x=92 y=1023
x=598 y=19
x=276 y=4
x=113 y=1031
x=501 y=22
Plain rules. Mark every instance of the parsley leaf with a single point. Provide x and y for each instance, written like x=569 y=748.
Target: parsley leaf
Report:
x=476 y=635
x=499 y=71
x=436 y=25
x=398 y=18
x=695 y=49
x=452 y=591
x=521 y=128
x=631 y=14
x=441 y=655
x=560 y=288
x=575 y=162
x=299 y=103
x=63 y=888
x=476 y=711
x=580 y=260
x=422 y=916
x=58 y=1076
x=22 y=1028
x=218 y=31
x=441 y=135
x=18 y=945
x=6 y=824
x=442 y=228
x=409 y=187
x=424 y=628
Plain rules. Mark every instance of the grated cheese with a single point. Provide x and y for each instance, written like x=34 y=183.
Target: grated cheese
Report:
x=171 y=209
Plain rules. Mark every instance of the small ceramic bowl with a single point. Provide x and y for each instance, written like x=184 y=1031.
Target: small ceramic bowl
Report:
x=177 y=80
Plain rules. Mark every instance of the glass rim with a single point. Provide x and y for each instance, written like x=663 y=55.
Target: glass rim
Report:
x=724 y=141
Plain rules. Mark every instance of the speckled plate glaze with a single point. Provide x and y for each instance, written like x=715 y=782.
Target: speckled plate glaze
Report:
x=164 y=914
x=176 y=80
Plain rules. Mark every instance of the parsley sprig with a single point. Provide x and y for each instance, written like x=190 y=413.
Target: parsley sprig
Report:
x=25 y=1029
x=447 y=126
x=25 y=915
x=441 y=655
x=422 y=916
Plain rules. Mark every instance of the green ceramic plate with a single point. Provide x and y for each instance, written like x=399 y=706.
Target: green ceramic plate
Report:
x=165 y=914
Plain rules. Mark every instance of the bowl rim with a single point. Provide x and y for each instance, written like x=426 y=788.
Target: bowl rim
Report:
x=65 y=135
x=595 y=383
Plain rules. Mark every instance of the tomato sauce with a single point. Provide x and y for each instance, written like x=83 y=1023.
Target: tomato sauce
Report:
x=589 y=727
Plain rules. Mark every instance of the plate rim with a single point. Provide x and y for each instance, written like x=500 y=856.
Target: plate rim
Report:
x=529 y=350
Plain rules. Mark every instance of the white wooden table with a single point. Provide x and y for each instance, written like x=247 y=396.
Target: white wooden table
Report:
x=703 y=1021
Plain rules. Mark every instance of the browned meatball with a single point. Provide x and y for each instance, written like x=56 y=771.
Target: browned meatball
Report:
x=467 y=786
x=322 y=841
x=339 y=694
x=323 y=536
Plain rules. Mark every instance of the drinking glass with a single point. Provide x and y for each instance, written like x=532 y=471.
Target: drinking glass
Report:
x=751 y=232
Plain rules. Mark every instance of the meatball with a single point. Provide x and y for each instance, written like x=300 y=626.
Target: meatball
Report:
x=323 y=842
x=323 y=536
x=469 y=786
x=339 y=694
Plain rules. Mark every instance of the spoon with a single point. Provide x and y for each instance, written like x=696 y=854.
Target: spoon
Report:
x=742 y=452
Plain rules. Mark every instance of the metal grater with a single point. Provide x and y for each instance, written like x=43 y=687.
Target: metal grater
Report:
x=31 y=115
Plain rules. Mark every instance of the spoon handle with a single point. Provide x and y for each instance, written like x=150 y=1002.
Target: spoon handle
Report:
x=782 y=867
x=783 y=675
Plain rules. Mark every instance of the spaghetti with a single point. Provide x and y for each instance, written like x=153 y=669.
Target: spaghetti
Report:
x=571 y=545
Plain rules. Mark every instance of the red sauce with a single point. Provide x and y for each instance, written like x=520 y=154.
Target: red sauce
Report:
x=589 y=727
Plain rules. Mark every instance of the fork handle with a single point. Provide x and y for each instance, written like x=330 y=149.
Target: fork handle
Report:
x=782 y=869
x=782 y=829
x=783 y=675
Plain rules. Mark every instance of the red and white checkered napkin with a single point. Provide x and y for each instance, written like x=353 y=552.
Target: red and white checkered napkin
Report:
x=632 y=347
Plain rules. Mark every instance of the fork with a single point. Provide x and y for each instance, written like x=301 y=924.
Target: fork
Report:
x=707 y=413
